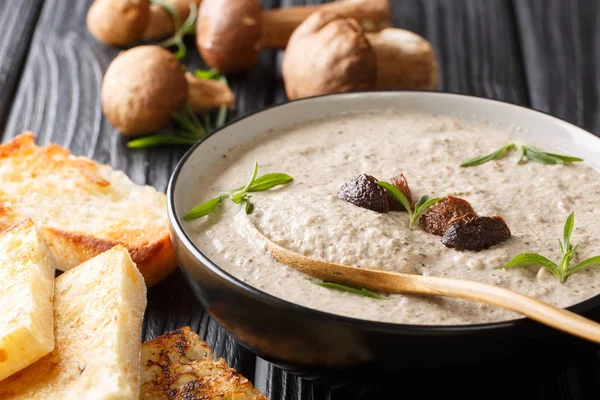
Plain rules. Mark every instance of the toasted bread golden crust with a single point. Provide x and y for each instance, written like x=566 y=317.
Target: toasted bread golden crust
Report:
x=26 y=298
x=178 y=365
x=98 y=313
x=83 y=208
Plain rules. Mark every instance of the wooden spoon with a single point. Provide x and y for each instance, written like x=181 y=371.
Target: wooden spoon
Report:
x=393 y=282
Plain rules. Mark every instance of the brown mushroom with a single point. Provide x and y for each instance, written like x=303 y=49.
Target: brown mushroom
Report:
x=118 y=22
x=474 y=232
x=142 y=87
x=230 y=33
x=363 y=191
x=331 y=54
x=161 y=24
x=145 y=85
x=400 y=182
x=207 y=94
x=438 y=216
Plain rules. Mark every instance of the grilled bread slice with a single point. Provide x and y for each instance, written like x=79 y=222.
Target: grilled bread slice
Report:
x=98 y=309
x=83 y=208
x=178 y=365
x=26 y=293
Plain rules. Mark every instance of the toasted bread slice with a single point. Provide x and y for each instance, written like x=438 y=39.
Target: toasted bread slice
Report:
x=98 y=309
x=83 y=208
x=178 y=365
x=26 y=297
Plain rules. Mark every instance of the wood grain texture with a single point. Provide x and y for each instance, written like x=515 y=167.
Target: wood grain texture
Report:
x=561 y=45
x=540 y=52
x=18 y=21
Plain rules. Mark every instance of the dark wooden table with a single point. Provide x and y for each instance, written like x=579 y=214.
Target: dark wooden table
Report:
x=544 y=54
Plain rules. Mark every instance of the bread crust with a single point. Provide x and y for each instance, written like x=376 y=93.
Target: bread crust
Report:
x=150 y=247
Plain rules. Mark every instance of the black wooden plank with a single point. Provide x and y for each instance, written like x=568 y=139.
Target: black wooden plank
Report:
x=561 y=45
x=18 y=20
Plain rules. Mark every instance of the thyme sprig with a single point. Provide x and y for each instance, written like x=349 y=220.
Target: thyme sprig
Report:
x=563 y=269
x=240 y=195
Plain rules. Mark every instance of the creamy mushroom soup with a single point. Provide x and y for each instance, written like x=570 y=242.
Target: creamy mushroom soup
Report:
x=308 y=217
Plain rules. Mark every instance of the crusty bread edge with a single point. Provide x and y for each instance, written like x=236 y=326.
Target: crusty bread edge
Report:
x=155 y=261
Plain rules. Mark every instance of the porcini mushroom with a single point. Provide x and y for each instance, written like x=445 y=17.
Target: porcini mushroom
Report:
x=142 y=87
x=230 y=33
x=145 y=85
x=207 y=94
x=331 y=54
x=161 y=24
x=118 y=22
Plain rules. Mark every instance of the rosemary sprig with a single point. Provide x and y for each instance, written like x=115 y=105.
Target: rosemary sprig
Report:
x=422 y=205
x=563 y=269
x=188 y=131
x=362 y=292
x=187 y=28
x=240 y=195
x=527 y=152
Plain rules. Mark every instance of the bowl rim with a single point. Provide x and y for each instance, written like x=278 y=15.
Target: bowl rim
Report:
x=179 y=231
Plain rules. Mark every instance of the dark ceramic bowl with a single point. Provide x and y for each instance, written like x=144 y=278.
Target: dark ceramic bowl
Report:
x=316 y=344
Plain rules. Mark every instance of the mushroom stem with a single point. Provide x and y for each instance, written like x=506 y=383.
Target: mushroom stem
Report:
x=279 y=24
x=208 y=94
x=405 y=60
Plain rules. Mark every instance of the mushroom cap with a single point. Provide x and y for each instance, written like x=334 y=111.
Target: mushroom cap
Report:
x=118 y=22
x=405 y=59
x=328 y=54
x=228 y=34
x=142 y=87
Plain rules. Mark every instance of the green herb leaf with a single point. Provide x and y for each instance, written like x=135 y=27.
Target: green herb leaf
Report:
x=159 y=140
x=421 y=201
x=222 y=113
x=585 y=263
x=237 y=197
x=203 y=209
x=536 y=155
x=398 y=195
x=212 y=73
x=568 y=251
x=567 y=232
x=240 y=195
x=527 y=152
x=492 y=156
x=422 y=207
x=362 y=292
x=526 y=259
x=424 y=203
x=188 y=27
x=269 y=181
x=249 y=207
x=541 y=157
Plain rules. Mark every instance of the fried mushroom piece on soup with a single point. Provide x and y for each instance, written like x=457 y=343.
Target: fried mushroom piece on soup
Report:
x=474 y=232
x=437 y=218
x=363 y=191
x=400 y=182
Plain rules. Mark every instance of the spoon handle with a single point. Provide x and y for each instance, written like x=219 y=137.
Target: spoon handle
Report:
x=391 y=282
